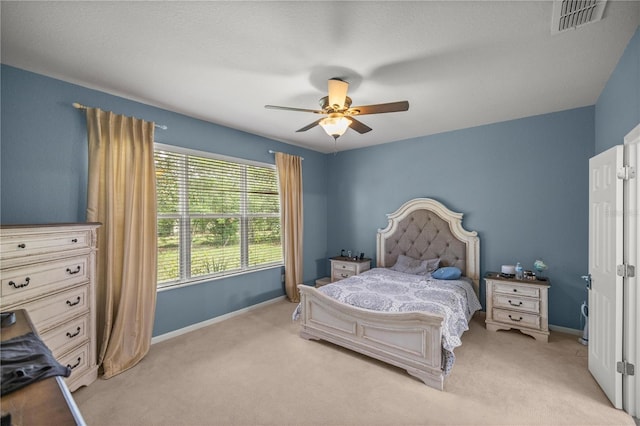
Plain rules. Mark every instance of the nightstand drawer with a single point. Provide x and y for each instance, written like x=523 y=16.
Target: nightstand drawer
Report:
x=520 y=290
x=519 y=318
x=339 y=274
x=342 y=266
x=517 y=303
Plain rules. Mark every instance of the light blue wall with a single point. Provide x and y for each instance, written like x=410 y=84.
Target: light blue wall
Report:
x=44 y=173
x=618 y=107
x=521 y=184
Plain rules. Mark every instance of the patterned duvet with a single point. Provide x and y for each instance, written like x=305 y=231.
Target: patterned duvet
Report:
x=386 y=290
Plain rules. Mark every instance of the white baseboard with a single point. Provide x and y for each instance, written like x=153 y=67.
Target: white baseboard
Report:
x=565 y=330
x=184 y=330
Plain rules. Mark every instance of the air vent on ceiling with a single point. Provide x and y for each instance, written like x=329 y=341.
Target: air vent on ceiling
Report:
x=570 y=14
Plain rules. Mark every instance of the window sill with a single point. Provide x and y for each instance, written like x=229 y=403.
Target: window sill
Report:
x=207 y=279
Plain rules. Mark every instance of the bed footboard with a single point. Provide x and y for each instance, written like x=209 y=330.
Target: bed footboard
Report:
x=410 y=340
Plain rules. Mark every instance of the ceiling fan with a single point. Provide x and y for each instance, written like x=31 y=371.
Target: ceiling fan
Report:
x=339 y=112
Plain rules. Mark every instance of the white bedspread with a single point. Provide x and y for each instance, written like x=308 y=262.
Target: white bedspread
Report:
x=382 y=289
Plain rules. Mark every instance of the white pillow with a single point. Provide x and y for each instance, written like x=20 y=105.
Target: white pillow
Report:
x=409 y=265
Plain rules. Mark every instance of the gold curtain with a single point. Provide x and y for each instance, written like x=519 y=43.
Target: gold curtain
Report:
x=290 y=178
x=121 y=194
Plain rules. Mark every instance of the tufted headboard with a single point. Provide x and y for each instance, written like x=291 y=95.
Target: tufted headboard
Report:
x=424 y=228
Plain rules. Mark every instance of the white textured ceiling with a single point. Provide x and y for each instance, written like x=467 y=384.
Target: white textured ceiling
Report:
x=459 y=64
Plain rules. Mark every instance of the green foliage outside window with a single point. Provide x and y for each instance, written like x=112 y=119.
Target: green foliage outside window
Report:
x=215 y=217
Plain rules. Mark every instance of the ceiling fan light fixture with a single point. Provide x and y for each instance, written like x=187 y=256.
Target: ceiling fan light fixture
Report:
x=335 y=124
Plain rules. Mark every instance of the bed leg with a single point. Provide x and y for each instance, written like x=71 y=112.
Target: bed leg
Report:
x=433 y=381
x=308 y=336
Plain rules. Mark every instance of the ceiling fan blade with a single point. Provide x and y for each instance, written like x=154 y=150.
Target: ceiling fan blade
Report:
x=359 y=126
x=337 y=92
x=378 y=108
x=310 y=126
x=315 y=111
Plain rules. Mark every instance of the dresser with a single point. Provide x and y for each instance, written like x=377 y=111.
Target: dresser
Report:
x=344 y=267
x=517 y=304
x=45 y=402
x=49 y=271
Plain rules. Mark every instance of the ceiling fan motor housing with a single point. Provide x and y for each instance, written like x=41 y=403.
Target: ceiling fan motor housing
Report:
x=324 y=104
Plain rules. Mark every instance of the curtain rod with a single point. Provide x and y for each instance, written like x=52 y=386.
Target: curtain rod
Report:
x=273 y=152
x=80 y=106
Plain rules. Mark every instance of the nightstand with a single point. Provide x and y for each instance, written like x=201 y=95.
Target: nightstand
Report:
x=517 y=304
x=344 y=267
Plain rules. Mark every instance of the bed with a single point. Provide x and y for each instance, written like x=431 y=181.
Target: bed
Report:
x=422 y=229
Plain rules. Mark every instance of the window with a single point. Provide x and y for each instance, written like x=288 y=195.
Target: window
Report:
x=216 y=215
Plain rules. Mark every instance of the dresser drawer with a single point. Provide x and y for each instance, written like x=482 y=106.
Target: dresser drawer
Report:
x=27 y=245
x=51 y=311
x=515 y=302
x=521 y=290
x=519 y=318
x=64 y=337
x=77 y=360
x=32 y=281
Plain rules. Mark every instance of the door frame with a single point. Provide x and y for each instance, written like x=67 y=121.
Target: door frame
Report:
x=631 y=342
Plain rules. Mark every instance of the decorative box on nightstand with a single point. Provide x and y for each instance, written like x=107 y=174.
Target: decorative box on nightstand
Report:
x=518 y=304
x=344 y=267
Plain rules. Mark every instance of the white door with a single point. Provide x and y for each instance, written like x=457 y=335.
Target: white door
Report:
x=605 y=253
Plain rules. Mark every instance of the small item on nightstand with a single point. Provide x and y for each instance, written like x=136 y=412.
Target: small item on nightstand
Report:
x=508 y=271
x=361 y=256
x=342 y=253
x=519 y=271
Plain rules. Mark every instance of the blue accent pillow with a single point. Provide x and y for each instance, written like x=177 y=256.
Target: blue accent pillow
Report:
x=447 y=273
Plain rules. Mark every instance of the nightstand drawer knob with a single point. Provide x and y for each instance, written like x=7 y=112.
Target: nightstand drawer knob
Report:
x=515 y=290
x=515 y=304
x=513 y=319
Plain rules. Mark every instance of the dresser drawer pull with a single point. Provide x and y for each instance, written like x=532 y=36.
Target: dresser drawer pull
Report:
x=23 y=245
x=26 y=283
x=70 y=272
x=74 y=303
x=75 y=240
x=344 y=275
x=76 y=364
x=71 y=336
x=515 y=304
x=513 y=319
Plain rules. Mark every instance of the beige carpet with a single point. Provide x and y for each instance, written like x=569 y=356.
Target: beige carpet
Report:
x=255 y=369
